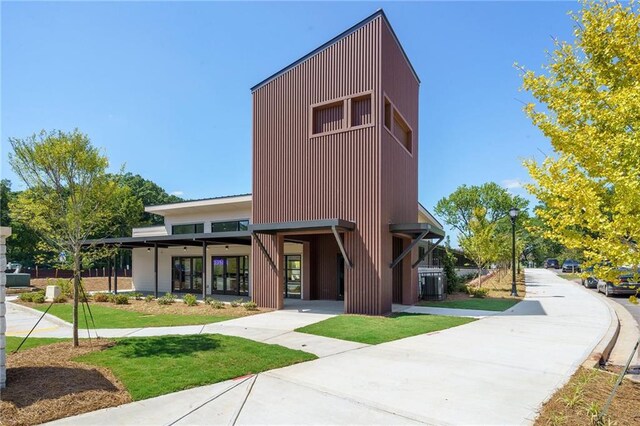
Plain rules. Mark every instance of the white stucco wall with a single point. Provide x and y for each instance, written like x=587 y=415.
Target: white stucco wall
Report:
x=144 y=277
x=4 y=233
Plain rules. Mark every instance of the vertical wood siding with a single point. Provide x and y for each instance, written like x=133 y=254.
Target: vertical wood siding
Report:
x=361 y=111
x=328 y=118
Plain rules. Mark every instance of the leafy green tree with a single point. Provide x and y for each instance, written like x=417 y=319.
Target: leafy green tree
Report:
x=150 y=194
x=588 y=105
x=70 y=196
x=480 y=215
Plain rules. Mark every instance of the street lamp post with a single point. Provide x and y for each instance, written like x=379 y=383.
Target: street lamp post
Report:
x=513 y=214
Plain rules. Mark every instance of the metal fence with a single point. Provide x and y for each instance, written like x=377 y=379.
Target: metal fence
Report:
x=432 y=285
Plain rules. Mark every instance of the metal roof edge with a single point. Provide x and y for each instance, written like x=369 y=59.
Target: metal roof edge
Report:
x=351 y=30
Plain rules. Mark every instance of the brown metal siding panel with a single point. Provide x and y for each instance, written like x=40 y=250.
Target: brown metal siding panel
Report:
x=399 y=168
x=297 y=178
x=362 y=175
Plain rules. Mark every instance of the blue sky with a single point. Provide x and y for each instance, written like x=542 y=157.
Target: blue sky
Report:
x=164 y=87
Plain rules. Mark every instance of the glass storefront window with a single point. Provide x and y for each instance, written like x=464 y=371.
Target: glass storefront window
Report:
x=293 y=276
x=230 y=226
x=191 y=228
x=231 y=275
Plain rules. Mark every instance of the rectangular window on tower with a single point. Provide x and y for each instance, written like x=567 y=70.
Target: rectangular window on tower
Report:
x=361 y=111
x=328 y=118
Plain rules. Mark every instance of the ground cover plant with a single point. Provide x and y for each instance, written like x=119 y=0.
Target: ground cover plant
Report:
x=138 y=313
x=582 y=399
x=155 y=366
x=373 y=330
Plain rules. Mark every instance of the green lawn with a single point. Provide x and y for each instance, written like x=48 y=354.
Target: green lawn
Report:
x=32 y=342
x=374 y=330
x=152 y=366
x=486 y=304
x=106 y=317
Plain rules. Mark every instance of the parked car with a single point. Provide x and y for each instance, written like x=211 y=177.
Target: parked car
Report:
x=570 y=265
x=627 y=283
x=591 y=281
x=552 y=263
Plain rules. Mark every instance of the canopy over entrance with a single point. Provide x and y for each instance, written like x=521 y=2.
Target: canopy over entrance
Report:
x=417 y=232
x=164 y=241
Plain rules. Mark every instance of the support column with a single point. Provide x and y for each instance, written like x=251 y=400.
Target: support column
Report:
x=204 y=270
x=4 y=233
x=110 y=272
x=306 y=271
x=155 y=270
x=115 y=279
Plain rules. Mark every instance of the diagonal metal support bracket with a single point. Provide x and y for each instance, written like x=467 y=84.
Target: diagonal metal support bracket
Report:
x=408 y=249
x=426 y=253
x=264 y=251
x=341 y=246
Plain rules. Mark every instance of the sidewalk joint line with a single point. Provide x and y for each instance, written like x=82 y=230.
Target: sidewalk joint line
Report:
x=207 y=401
x=234 y=419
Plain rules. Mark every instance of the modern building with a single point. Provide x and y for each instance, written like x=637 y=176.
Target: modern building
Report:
x=334 y=210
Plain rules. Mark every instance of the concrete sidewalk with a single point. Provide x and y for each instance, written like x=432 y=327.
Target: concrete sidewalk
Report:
x=274 y=327
x=498 y=370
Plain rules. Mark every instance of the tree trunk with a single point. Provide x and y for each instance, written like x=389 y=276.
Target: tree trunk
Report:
x=76 y=294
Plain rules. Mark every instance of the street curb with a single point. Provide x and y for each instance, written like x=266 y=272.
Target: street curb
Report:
x=48 y=317
x=602 y=350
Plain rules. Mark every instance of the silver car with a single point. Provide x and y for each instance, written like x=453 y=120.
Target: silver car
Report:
x=627 y=284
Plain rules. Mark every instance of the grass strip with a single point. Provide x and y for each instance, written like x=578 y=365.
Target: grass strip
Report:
x=373 y=330
x=153 y=366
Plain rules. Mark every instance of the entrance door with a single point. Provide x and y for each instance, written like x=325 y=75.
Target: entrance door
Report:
x=340 y=277
x=187 y=274
x=230 y=275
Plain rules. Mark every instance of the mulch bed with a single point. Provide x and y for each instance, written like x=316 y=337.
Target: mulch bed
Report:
x=179 y=308
x=43 y=384
x=90 y=283
x=590 y=388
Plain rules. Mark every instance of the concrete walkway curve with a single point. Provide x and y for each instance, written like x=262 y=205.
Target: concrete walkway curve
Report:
x=498 y=370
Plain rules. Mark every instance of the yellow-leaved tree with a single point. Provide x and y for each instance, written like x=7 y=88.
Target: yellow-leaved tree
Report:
x=588 y=105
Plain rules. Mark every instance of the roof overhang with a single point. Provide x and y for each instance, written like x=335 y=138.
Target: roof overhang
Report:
x=165 y=241
x=414 y=230
x=303 y=226
x=201 y=205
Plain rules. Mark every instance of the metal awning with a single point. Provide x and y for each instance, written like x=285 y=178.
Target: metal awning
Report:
x=417 y=232
x=165 y=241
x=302 y=226
x=335 y=226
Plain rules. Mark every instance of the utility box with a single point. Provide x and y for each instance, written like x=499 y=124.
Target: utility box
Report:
x=18 y=280
x=51 y=293
x=432 y=286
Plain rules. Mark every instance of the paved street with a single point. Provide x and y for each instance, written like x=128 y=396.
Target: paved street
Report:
x=464 y=375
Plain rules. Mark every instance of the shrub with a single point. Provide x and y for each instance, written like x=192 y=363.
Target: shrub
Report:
x=60 y=299
x=190 y=300
x=111 y=297
x=236 y=303
x=208 y=300
x=149 y=298
x=217 y=304
x=477 y=292
x=136 y=295
x=251 y=306
x=38 y=297
x=167 y=299
x=449 y=268
x=101 y=297
x=121 y=299
x=26 y=297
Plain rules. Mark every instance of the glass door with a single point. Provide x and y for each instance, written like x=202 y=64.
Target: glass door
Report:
x=217 y=274
x=187 y=273
x=293 y=277
x=230 y=275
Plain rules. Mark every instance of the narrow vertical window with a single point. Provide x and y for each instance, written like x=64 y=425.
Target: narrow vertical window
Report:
x=387 y=114
x=401 y=131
